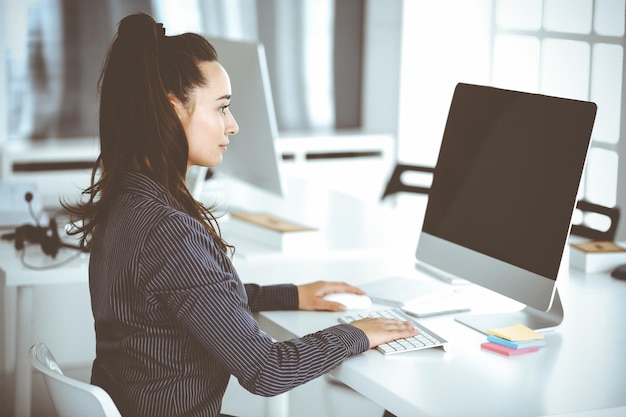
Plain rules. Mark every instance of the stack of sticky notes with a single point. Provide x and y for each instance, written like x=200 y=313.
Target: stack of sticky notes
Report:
x=513 y=340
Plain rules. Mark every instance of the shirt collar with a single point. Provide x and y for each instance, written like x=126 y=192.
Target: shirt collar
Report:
x=141 y=184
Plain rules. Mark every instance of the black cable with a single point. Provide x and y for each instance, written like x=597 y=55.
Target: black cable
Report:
x=46 y=267
x=47 y=237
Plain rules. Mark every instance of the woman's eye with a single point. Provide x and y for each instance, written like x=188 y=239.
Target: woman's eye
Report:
x=223 y=109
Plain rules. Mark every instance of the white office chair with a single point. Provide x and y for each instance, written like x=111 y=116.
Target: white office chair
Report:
x=71 y=398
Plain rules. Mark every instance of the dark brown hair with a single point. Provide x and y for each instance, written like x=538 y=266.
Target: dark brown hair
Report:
x=139 y=128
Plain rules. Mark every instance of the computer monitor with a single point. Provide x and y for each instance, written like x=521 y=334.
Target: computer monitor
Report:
x=251 y=155
x=503 y=194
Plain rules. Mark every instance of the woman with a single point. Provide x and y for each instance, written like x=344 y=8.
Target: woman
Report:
x=173 y=321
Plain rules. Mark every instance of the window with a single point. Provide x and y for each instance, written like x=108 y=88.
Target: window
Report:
x=574 y=49
x=566 y=48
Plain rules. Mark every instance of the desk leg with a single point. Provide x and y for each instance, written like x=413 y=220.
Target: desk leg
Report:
x=277 y=406
x=23 y=371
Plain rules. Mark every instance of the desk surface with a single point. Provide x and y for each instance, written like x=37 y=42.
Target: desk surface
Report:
x=581 y=368
x=43 y=270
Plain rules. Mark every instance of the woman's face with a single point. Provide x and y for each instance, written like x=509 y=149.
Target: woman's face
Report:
x=207 y=119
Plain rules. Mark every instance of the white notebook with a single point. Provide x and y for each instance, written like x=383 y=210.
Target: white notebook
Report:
x=400 y=291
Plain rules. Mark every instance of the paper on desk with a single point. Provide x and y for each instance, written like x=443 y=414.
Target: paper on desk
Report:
x=507 y=351
x=271 y=222
x=516 y=332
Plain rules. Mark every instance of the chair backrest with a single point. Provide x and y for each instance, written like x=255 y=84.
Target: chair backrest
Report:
x=583 y=230
x=396 y=184
x=71 y=398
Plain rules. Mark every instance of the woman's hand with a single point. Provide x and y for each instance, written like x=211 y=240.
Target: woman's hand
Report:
x=310 y=295
x=380 y=331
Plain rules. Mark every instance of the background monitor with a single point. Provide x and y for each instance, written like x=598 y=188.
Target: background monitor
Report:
x=251 y=155
x=503 y=194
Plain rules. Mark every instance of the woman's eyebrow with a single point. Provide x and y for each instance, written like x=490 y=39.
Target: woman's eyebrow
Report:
x=224 y=97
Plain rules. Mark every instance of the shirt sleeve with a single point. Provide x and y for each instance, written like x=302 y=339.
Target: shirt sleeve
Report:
x=190 y=275
x=272 y=297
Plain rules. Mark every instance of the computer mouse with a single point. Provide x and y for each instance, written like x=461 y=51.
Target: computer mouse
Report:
x=349 y=300
x=619 y=272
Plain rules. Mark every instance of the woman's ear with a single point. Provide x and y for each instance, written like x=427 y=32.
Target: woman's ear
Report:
x=178 y=106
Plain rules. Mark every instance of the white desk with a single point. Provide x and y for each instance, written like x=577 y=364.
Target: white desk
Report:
x=581 y=368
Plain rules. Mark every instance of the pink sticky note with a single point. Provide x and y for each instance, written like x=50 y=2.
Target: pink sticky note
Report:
x=507 y=351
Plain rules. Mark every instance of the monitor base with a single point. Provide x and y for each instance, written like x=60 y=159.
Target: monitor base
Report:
x=530 y=317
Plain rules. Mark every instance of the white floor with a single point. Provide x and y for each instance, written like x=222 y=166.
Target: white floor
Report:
x=319 y=398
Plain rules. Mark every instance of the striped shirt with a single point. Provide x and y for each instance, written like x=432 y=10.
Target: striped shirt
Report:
x=173 y=321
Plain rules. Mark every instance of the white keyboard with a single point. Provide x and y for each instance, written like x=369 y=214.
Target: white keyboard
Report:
x=426 y=338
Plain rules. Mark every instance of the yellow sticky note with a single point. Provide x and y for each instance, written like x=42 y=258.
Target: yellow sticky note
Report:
x=516 y=332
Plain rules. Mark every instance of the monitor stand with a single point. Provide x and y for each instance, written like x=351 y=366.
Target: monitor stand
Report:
x=530 y=317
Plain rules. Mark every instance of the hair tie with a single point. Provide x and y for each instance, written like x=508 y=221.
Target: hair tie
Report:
x=162 y=28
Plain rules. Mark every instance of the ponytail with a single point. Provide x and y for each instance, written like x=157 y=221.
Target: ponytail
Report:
x=139 y=128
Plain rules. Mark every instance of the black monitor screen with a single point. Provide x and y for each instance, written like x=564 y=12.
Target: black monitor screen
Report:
x=508 y=172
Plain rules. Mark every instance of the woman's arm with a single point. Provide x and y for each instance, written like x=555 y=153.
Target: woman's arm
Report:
x=301 y=297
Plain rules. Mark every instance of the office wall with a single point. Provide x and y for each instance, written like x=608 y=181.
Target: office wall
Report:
x=382 y=58
x=56 y=49
x=3 y=111
x=621 y=175
x=348 y=58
